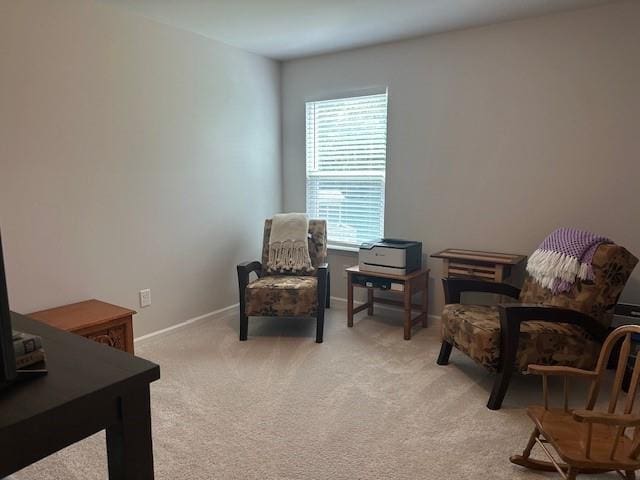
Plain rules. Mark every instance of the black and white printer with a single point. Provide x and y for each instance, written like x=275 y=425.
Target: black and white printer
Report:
x=391 y=256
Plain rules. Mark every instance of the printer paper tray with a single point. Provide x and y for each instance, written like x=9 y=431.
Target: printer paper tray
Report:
x=364 y=267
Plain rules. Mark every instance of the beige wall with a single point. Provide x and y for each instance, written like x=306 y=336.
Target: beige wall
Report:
x=497 y=135
x=132 y=155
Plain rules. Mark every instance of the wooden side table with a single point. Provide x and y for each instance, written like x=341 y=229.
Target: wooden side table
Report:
x=413 y=282
x=99 y=321
x=488 y=266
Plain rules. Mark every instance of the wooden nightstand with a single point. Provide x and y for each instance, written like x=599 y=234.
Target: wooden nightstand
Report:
x=93 y=319
x=488 y=266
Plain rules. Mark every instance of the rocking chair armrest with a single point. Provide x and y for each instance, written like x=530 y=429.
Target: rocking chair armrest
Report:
x=511 y=315
x=552 y=370
x=453 y=287
x=621 y=420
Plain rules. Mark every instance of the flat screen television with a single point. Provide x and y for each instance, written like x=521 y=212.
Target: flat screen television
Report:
x=7 y=358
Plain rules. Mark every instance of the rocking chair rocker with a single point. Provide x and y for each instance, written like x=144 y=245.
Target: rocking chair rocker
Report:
x=588 y=441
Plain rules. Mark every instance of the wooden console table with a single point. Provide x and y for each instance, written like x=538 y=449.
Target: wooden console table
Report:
x=489 y=266
x=413 y=282
x=99 y=321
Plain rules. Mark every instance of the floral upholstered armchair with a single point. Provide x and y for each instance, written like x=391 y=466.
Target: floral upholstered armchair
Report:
x=274 y=294
x=541 y=328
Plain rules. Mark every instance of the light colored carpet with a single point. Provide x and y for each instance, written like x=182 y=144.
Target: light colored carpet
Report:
x=363 y=405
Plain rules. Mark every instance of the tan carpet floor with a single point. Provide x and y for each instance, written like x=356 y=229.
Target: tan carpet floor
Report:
x=363 y=405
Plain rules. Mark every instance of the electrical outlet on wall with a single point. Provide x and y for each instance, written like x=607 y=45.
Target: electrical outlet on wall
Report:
x=145 y=297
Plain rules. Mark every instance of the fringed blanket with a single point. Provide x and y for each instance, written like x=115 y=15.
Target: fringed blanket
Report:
x=288 y=244
x=564 y=255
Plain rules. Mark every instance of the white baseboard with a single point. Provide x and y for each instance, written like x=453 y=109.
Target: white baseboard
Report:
x=380 y=306
x=223 y=312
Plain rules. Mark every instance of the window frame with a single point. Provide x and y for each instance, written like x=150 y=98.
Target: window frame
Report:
x=376 y=90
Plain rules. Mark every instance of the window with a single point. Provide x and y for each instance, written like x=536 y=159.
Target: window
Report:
x=346 y=162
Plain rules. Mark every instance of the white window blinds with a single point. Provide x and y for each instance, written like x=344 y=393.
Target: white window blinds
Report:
x=346 y=162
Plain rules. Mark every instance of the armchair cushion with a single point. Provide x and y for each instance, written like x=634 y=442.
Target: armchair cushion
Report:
x=475 y=330
x=282 y=296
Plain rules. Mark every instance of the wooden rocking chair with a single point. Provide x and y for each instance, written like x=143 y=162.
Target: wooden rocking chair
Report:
x=588 y=441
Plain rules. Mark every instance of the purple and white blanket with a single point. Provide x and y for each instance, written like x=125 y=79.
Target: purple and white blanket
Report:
x=564 y=255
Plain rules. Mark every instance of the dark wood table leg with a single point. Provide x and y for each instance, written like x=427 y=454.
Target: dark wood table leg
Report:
x=425 y=300
x=129 y=443
x=407 y=310
x=370 y=301
x=349 y=300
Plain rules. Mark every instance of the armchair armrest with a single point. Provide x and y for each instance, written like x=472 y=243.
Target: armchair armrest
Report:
x=244 y=269
x=248 y=267
x=621 y=420
x=322 y=274
x=322 y=299
x=511 y=315
x=562 y=371
x=324 y=284
x=453 y=287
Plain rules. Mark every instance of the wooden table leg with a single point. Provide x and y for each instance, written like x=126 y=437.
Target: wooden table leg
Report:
x=407 y=310
x=349 y=300
x=498 y=277
x=129 y=443
x=425 y=300
x=129 y=335
x=370 y=301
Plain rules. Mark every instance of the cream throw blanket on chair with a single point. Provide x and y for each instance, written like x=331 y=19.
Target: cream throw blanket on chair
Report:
x=288 y=244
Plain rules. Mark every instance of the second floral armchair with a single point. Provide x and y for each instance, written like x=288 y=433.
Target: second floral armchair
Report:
x=538 y=327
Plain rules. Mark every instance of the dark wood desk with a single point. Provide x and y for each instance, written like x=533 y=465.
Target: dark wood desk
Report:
x=89 y=388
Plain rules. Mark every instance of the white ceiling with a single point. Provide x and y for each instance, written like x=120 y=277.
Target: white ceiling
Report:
x=285 y=29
